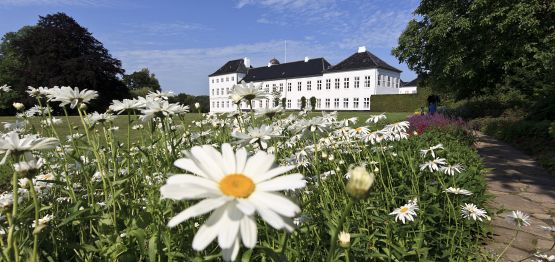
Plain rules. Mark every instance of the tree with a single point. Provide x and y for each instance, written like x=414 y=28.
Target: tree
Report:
x=58 y=51
x=190 y=101
x=283 y=100
x=313 y=103
x=303 y=103
x=470 y=48
x=142 y=79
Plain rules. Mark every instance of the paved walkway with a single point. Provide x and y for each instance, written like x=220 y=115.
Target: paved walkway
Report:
x=518 y=183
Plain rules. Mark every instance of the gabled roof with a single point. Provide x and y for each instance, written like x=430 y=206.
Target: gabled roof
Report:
x=362 y=60
x=414 y=82
x=233 y=66
x=295 y=69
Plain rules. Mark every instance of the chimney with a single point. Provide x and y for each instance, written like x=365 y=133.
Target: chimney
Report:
x=306 y=59
x=247 y=62
x=361 y=49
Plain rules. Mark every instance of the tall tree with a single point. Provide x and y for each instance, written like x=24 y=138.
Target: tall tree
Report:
x=142 y=79
x=58 y=51
x=472 y=47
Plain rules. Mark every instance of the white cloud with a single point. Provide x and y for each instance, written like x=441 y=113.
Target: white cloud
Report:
x=169 y=29
x=187 y=70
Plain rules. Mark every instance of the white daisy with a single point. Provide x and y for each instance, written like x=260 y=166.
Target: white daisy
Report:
x=37 y=92
x=235 y=187
x=96 y=117
x=125 y=104
x=457 y=191
x=406 y=212
x=162 y=109
x=249 y=92
x=66 y=95
x=375 y=118
x=544 y=257
x=548 y=228
x=13 y=144
x=452 y=169
x=518 y=218
x=255 y=135
x=431 y=150
x=270 y=112
x=472 y=211
x=5 y=88
x=433 y=165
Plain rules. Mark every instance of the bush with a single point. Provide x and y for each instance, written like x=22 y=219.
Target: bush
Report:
x=422 y=123
x=400 y=103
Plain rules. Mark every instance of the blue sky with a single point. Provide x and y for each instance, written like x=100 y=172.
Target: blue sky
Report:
x=184 y=41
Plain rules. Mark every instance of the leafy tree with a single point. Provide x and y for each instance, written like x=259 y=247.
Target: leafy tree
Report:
x=313 y=103
x=190 y=101
x=470 y=48
x=276 y=94
x=58 y=51
x=283 y=101
x=303 y=103
x=142 y=79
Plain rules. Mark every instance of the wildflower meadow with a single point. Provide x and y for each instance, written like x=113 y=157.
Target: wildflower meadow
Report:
x=265 y=185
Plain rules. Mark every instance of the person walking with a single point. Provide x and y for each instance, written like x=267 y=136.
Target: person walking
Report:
x=433 y=101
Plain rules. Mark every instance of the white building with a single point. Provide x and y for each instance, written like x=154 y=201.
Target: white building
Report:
x=345 y=86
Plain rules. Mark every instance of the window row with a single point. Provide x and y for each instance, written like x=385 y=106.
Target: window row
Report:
x=388 y=81
x=222 y=79
x=338 y=103
x=220 y=91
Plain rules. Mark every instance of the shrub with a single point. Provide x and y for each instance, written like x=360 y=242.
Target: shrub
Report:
x=421 y=123
x=399 y=103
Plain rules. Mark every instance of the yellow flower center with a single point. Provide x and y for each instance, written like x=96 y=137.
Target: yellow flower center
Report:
x=237 y=185
x=358 y=129
x=404 y=209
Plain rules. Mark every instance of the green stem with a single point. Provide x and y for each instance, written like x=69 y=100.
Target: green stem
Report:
x=507 y=247
x=37 y=208
x=335 y=231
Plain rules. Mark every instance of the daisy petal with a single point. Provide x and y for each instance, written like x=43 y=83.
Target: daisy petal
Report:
x=198 y=209
x=260 y=163
x=272 y=173
x=286 y=182
x=248 y=231
x=276 y=203
x=231 y=219
x=209 y=230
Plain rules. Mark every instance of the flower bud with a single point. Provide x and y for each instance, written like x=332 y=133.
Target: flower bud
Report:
x=344 y=239
x=18 y=106
x=197 y=105
x=360 y=182
x=83 y=107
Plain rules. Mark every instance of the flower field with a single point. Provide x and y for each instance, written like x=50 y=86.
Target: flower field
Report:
x=250 y=186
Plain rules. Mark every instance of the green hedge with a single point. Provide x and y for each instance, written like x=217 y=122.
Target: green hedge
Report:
x=399 y=103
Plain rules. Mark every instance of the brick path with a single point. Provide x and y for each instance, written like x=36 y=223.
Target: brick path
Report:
x=518 y=183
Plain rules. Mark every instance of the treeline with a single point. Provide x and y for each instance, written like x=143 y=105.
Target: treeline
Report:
x=57 y=51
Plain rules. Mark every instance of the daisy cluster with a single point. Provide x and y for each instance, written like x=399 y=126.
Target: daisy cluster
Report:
x=246 y=185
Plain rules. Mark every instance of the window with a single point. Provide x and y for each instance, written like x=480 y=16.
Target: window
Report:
x=345 y=102
x=366 y=81
x=327 y=103
x=232 y=78
x=218 y=104
x=273 y=87
x=337 y=83
x=308 y=85
x=299 y=86
x=346 y=82
x=355 y=102
x=281 y=87
x=366 y=102
x=288 y=87
x=319 y=85
x=213 y=104
x=227 y=79
x=267 y=101
x=288 y=103
x=212 y=80
x=260 y=103
x=380 y=80
x=227 y=104
x=298 y=103
x=336 y=102
x=212 y=91
x=222 y=79
x=227 y=91
x=217 y=80
x=328 y=83
x=218 y=92
x=318 y=103
x=388 y=81
x=357 y=82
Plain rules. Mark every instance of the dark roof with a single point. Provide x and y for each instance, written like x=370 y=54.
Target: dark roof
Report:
x=361 y=60
x=414 y=82
x=233 y=66
x=301 y=68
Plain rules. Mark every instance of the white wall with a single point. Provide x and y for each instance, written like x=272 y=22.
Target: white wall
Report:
x=347 y=97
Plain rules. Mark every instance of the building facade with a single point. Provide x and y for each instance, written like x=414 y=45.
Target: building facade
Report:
x=345 y=86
